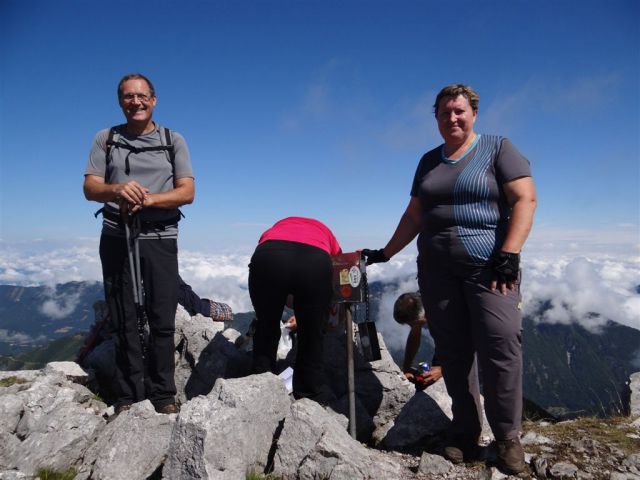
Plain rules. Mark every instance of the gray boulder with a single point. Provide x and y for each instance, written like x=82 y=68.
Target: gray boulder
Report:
x=204 y=353
x=427 y=413
x=364 y=421
x=434 y=464
x=13 y=475
x=313 y=445
x=634 y=385
x=380 y=386
x=228 y=432
x=133 y=446
x=57 y=421
x=563 y=470
x=71 y=370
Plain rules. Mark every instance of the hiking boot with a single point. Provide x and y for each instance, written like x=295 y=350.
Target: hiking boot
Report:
x=118 y=410
x=168 y=408
x=462 y=448
x=219 y=312
x=510 y=456
x=122 y=408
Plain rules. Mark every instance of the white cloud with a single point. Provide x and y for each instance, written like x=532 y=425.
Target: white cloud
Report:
x=218 y=277
x=579 y=287
x=8 y=336
x=38 y=263
x=59 y=306
x=588 y=279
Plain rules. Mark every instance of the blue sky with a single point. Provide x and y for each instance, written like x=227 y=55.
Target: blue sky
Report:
x=321 y=108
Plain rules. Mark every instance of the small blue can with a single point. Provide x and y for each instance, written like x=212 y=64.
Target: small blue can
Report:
x=424 y=367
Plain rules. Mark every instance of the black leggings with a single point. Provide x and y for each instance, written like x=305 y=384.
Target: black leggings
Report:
x=279 y=268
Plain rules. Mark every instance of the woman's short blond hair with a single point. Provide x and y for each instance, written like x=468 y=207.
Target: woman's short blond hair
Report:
x=454 y=90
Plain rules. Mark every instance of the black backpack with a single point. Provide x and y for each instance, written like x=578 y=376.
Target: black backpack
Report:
x=152 y=217
x=113 y=140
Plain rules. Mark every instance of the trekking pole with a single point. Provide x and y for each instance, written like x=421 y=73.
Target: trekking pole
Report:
x=133 y=250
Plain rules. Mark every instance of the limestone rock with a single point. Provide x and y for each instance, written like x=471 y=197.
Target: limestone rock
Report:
x=313 y=445
x=634 y=403
x=133 y=446
x=13 y=475
x=632 y=462
x=11 y=405
x=533 y=438
x=10 y=443
x=57 y=423
x=364 y=421
x=71 y=370
x=422 y=415
x=427 y=413
x=540 y=465
x=624 y=476
x=228 y=432
x=434 y=465
x=380 y=386
x=22 y=375
x=204 y=354
x=563 y=470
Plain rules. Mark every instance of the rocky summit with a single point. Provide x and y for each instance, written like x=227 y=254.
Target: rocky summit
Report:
x=232 y=425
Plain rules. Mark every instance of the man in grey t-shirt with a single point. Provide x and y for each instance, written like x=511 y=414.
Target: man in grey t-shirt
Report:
x=135 y=170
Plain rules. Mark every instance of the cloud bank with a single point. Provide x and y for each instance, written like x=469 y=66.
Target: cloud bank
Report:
x=576 y=286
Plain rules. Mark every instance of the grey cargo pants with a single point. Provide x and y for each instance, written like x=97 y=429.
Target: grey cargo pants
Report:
x=466 y=318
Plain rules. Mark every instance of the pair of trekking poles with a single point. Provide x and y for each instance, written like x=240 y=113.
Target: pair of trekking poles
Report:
x=132 y=229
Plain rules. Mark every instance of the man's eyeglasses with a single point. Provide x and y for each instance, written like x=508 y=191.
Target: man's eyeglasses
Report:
x=129 y=97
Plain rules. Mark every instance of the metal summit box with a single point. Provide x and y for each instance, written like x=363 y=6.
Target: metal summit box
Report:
x=348 y=278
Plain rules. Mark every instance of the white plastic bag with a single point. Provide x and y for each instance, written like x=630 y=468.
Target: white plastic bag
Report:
x=285 y=344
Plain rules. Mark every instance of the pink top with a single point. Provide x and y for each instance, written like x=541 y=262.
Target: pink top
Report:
x=303 y=230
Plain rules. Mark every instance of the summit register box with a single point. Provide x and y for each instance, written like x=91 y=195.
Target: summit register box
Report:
x=348 y=278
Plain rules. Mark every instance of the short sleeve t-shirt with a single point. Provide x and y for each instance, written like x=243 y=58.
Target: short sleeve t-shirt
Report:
x=465 y=211
x=303 y=230
x=152 y=169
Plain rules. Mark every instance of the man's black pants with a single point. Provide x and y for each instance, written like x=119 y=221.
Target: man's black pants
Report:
x=159 y=266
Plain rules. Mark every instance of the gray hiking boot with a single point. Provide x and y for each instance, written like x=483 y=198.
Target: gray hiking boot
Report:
x=510 y=456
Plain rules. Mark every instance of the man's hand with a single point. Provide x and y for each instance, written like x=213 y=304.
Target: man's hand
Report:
x=131 y=192
x=374 y=256
x=505 y=267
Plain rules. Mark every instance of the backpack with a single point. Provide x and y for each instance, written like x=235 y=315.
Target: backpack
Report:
x=156 y=219
x=113 y=140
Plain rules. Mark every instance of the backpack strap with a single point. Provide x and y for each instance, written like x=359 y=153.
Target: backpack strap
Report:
x=112 y=139
x=167 y=142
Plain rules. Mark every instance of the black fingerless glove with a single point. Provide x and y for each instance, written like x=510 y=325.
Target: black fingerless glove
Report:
x=374 y=256
x=505 y=267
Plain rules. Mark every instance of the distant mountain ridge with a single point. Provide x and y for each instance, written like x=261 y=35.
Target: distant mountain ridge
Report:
x=568 y=370
x=24 y=323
